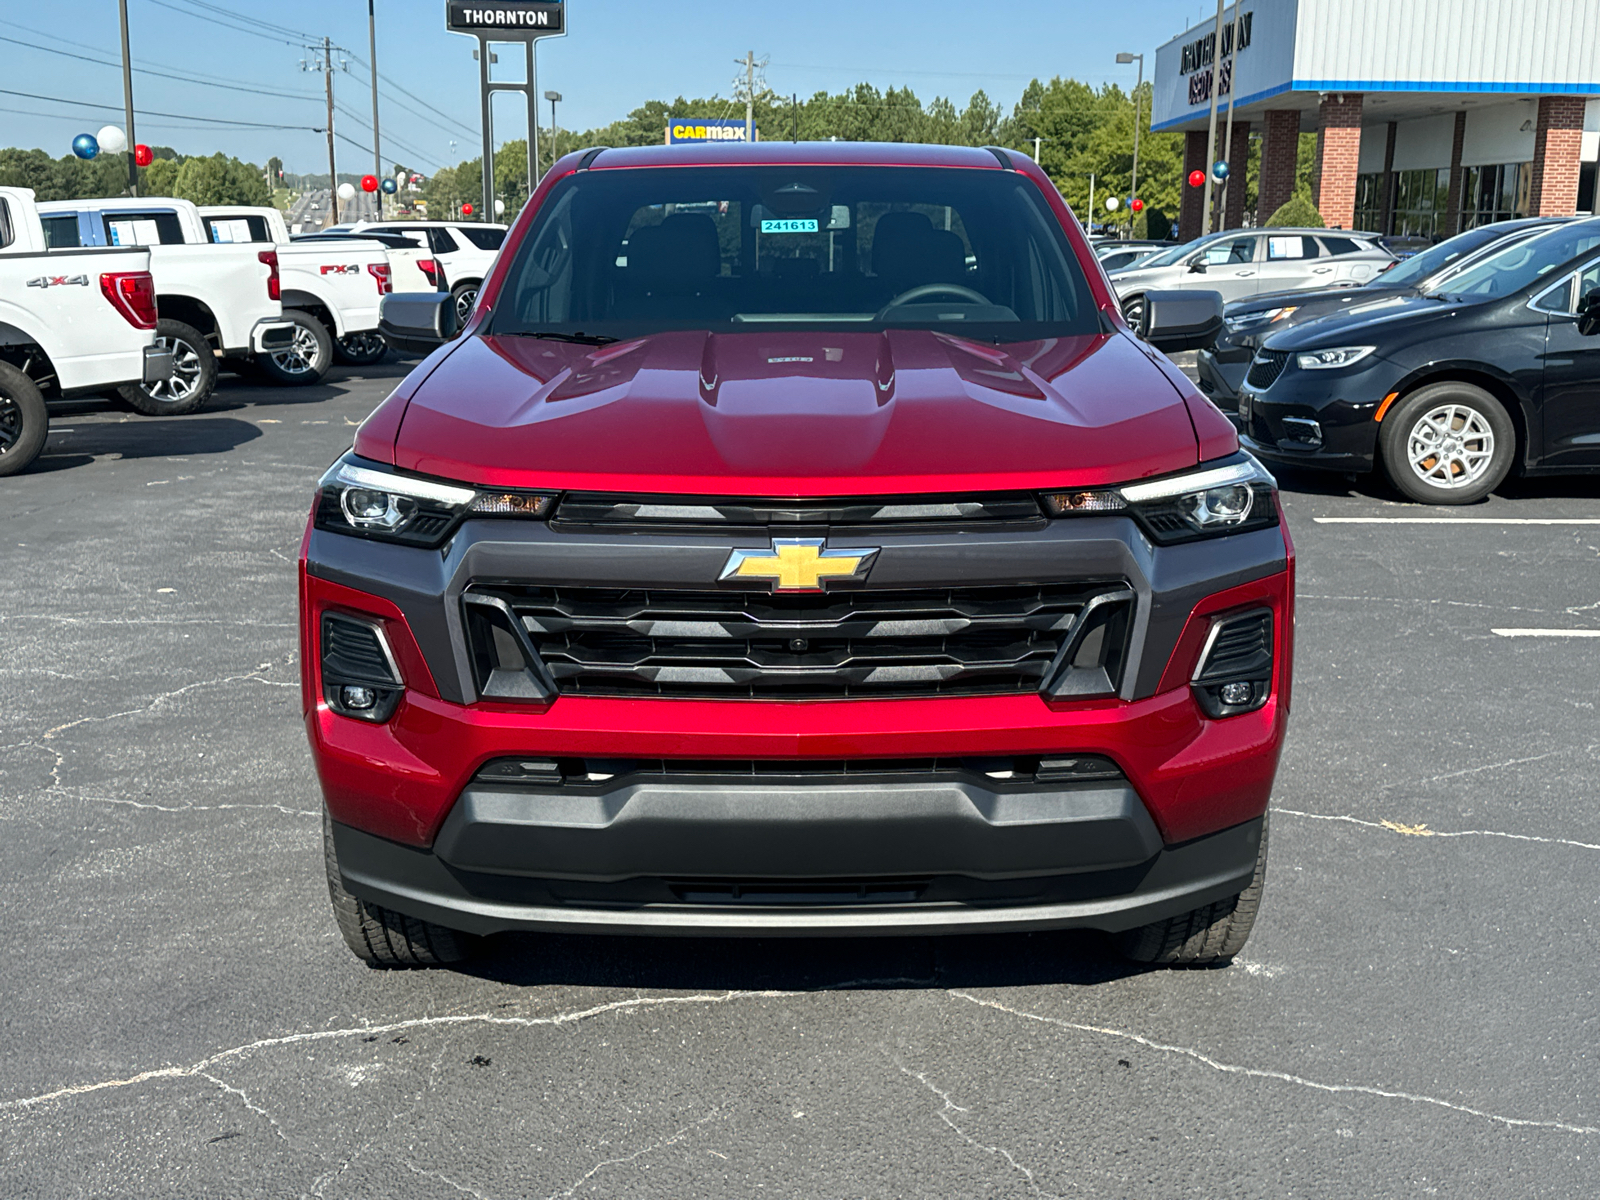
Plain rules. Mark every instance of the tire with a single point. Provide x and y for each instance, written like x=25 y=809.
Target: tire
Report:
x=361 y=349
x=307 y=359
x=465 y=295
x=193 y=378
x=382 y=937
x=1212 y=933
x=1476 y=440
x=1133 y=311
x=24 y=423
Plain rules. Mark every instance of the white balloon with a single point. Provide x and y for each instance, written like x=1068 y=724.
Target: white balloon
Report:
x=499 y=208
x=112 y=140
x=1111 y=203
x=347 y=191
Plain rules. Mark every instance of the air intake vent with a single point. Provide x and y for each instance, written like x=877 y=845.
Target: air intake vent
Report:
x=1235 y=671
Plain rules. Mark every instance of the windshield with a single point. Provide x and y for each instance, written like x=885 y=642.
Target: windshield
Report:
x=1167 y=257
x=1515 y=267
x=1435 y=258
x=622 y=253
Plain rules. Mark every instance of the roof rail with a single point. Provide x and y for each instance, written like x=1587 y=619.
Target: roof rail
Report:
x=589 y=156
x=1005 y=159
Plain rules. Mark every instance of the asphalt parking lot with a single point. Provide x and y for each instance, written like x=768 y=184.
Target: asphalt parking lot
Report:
x=1415 y=1015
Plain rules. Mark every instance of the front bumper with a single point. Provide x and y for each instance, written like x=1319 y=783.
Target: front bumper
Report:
x=418 y=831
x=1323 y=420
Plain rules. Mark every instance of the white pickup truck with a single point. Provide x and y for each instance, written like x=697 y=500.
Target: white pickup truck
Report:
x=213 y=300
x=338 y=283
x=71 y=322
x=465 y=251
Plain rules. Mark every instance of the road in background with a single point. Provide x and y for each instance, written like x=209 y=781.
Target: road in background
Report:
x=1414 y=1016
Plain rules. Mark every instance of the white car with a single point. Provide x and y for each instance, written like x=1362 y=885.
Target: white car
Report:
x=71 y=322
x=213 y=300
x=1240 y=263
x=337 y=283
x=465 y=249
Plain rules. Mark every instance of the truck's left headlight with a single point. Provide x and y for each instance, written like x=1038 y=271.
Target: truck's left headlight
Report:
x=368 y=499
x=1235 y=495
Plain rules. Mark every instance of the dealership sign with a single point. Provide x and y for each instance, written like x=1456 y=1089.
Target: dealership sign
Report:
x=701 y=129
x=506 y=20
x=1198 y=57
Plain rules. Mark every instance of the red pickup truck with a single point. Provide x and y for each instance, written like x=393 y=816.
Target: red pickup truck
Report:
x=795 y=540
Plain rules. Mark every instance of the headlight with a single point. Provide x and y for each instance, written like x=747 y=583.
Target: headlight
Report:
x=368 y=499
x=1327 y=360
x=1235 y=496
x=1251 y=320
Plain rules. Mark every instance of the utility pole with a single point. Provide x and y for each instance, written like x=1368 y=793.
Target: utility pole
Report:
x=127 y=100
x=326 y=67
x=1138 y=117
x=749 y=96
x=1211 y=135
x=1227 y=138
x=555 y=137
x=1088 y=226
x=372 y=52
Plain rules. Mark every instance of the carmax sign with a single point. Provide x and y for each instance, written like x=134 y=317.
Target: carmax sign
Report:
x=699 y=129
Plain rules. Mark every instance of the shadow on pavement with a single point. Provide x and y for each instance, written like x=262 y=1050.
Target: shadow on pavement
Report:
x=154 y=437
x=802 y=964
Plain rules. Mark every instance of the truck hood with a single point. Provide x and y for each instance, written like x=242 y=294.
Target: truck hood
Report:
x=796 y=413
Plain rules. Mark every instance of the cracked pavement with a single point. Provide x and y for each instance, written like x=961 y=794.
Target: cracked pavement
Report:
x=1415 y=1015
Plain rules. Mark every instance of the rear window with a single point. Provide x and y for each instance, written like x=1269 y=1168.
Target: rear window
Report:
x=483 y=239
x=6 y=234
x=1342 y=245
x=61 y=231
x=143 y=229
x=623 y=253
x=238 y=229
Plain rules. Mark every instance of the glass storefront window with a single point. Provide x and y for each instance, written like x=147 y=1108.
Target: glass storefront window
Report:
x=1421 y=199
x=1494 y=193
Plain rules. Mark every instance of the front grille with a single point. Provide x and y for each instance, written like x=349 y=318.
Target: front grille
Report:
x=1266 y=367
x=831 y=645
x=1001 y=772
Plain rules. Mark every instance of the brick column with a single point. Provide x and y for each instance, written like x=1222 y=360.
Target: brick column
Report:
x=1557 y=156
x=1191 y=206
x=1452 y=216
x=1280 y=152
x=1238 y=176
x=1339 y=158
x=1386 y=221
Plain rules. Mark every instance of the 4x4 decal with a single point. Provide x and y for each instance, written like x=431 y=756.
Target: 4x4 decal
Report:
x=50 y=281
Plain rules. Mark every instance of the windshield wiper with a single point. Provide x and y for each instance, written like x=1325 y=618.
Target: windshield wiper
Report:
x=581 y=338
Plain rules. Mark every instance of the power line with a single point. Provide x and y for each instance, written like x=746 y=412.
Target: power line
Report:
x=214 y=21
x=162 y=74
x=357 y=59
x=233 y=15
x=150 y=112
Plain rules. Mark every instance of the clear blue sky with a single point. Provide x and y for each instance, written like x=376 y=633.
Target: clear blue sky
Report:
x=619 y=53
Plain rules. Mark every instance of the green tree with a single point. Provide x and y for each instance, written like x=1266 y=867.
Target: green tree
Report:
x=221 y=180
x=1296 y=212
x=159 y=178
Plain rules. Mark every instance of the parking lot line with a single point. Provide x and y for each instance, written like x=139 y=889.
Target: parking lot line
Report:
x=1457 y=520
x=1550 y=633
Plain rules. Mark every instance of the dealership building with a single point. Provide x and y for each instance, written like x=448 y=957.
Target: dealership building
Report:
x=1431 y=116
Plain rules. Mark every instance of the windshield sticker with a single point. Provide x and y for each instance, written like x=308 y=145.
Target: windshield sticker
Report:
x=789 y=226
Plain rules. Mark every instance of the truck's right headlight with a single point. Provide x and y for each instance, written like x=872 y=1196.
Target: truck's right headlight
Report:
x=1234 y=496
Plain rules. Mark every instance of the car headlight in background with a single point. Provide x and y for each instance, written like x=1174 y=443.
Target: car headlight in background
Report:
x=369 y=499
x=1252 y=320
x=1235 y=496
x=1327 y=360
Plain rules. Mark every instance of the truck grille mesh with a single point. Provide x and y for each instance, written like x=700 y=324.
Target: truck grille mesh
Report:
x=832 y=645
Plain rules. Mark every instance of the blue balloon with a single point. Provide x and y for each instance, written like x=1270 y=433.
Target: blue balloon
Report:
x=390 y=187
x=84 y=145
x=1219 y=169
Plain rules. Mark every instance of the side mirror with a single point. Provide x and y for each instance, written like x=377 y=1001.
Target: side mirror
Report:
x=417 y=322
x=1197 y=267
x=1186 y=320
x=1589 y=314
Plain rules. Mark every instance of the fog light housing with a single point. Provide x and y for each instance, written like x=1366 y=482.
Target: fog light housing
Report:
x=1232 y=694
x=1234 y=675
x=360 y=677
x=358 y=698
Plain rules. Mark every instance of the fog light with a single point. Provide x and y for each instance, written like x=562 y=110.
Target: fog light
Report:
x=1235 y=693
x=358 y=699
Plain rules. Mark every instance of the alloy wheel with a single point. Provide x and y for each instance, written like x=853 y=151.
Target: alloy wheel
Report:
x=301 y=355
x=10 y=422
x=465 y=299
x=187 y=373
x=1450 y=446
x=368 y=342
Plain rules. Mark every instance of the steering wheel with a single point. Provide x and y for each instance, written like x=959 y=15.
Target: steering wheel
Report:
x=922 y=291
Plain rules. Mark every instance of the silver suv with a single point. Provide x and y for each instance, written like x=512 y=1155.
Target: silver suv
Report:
x=1241 y=263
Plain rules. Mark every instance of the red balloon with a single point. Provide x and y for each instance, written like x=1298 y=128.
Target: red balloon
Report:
x=466 y=210
x=1137 y=205
x=369 y=183
x=142 y=155
x=1197 y=178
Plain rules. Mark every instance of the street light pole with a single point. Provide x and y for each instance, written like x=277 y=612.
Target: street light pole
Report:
x=1138 y=98
x=555 y=139
x=372 y=50
x=127 y=100
x=1211 y=134
x=1233 y=90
